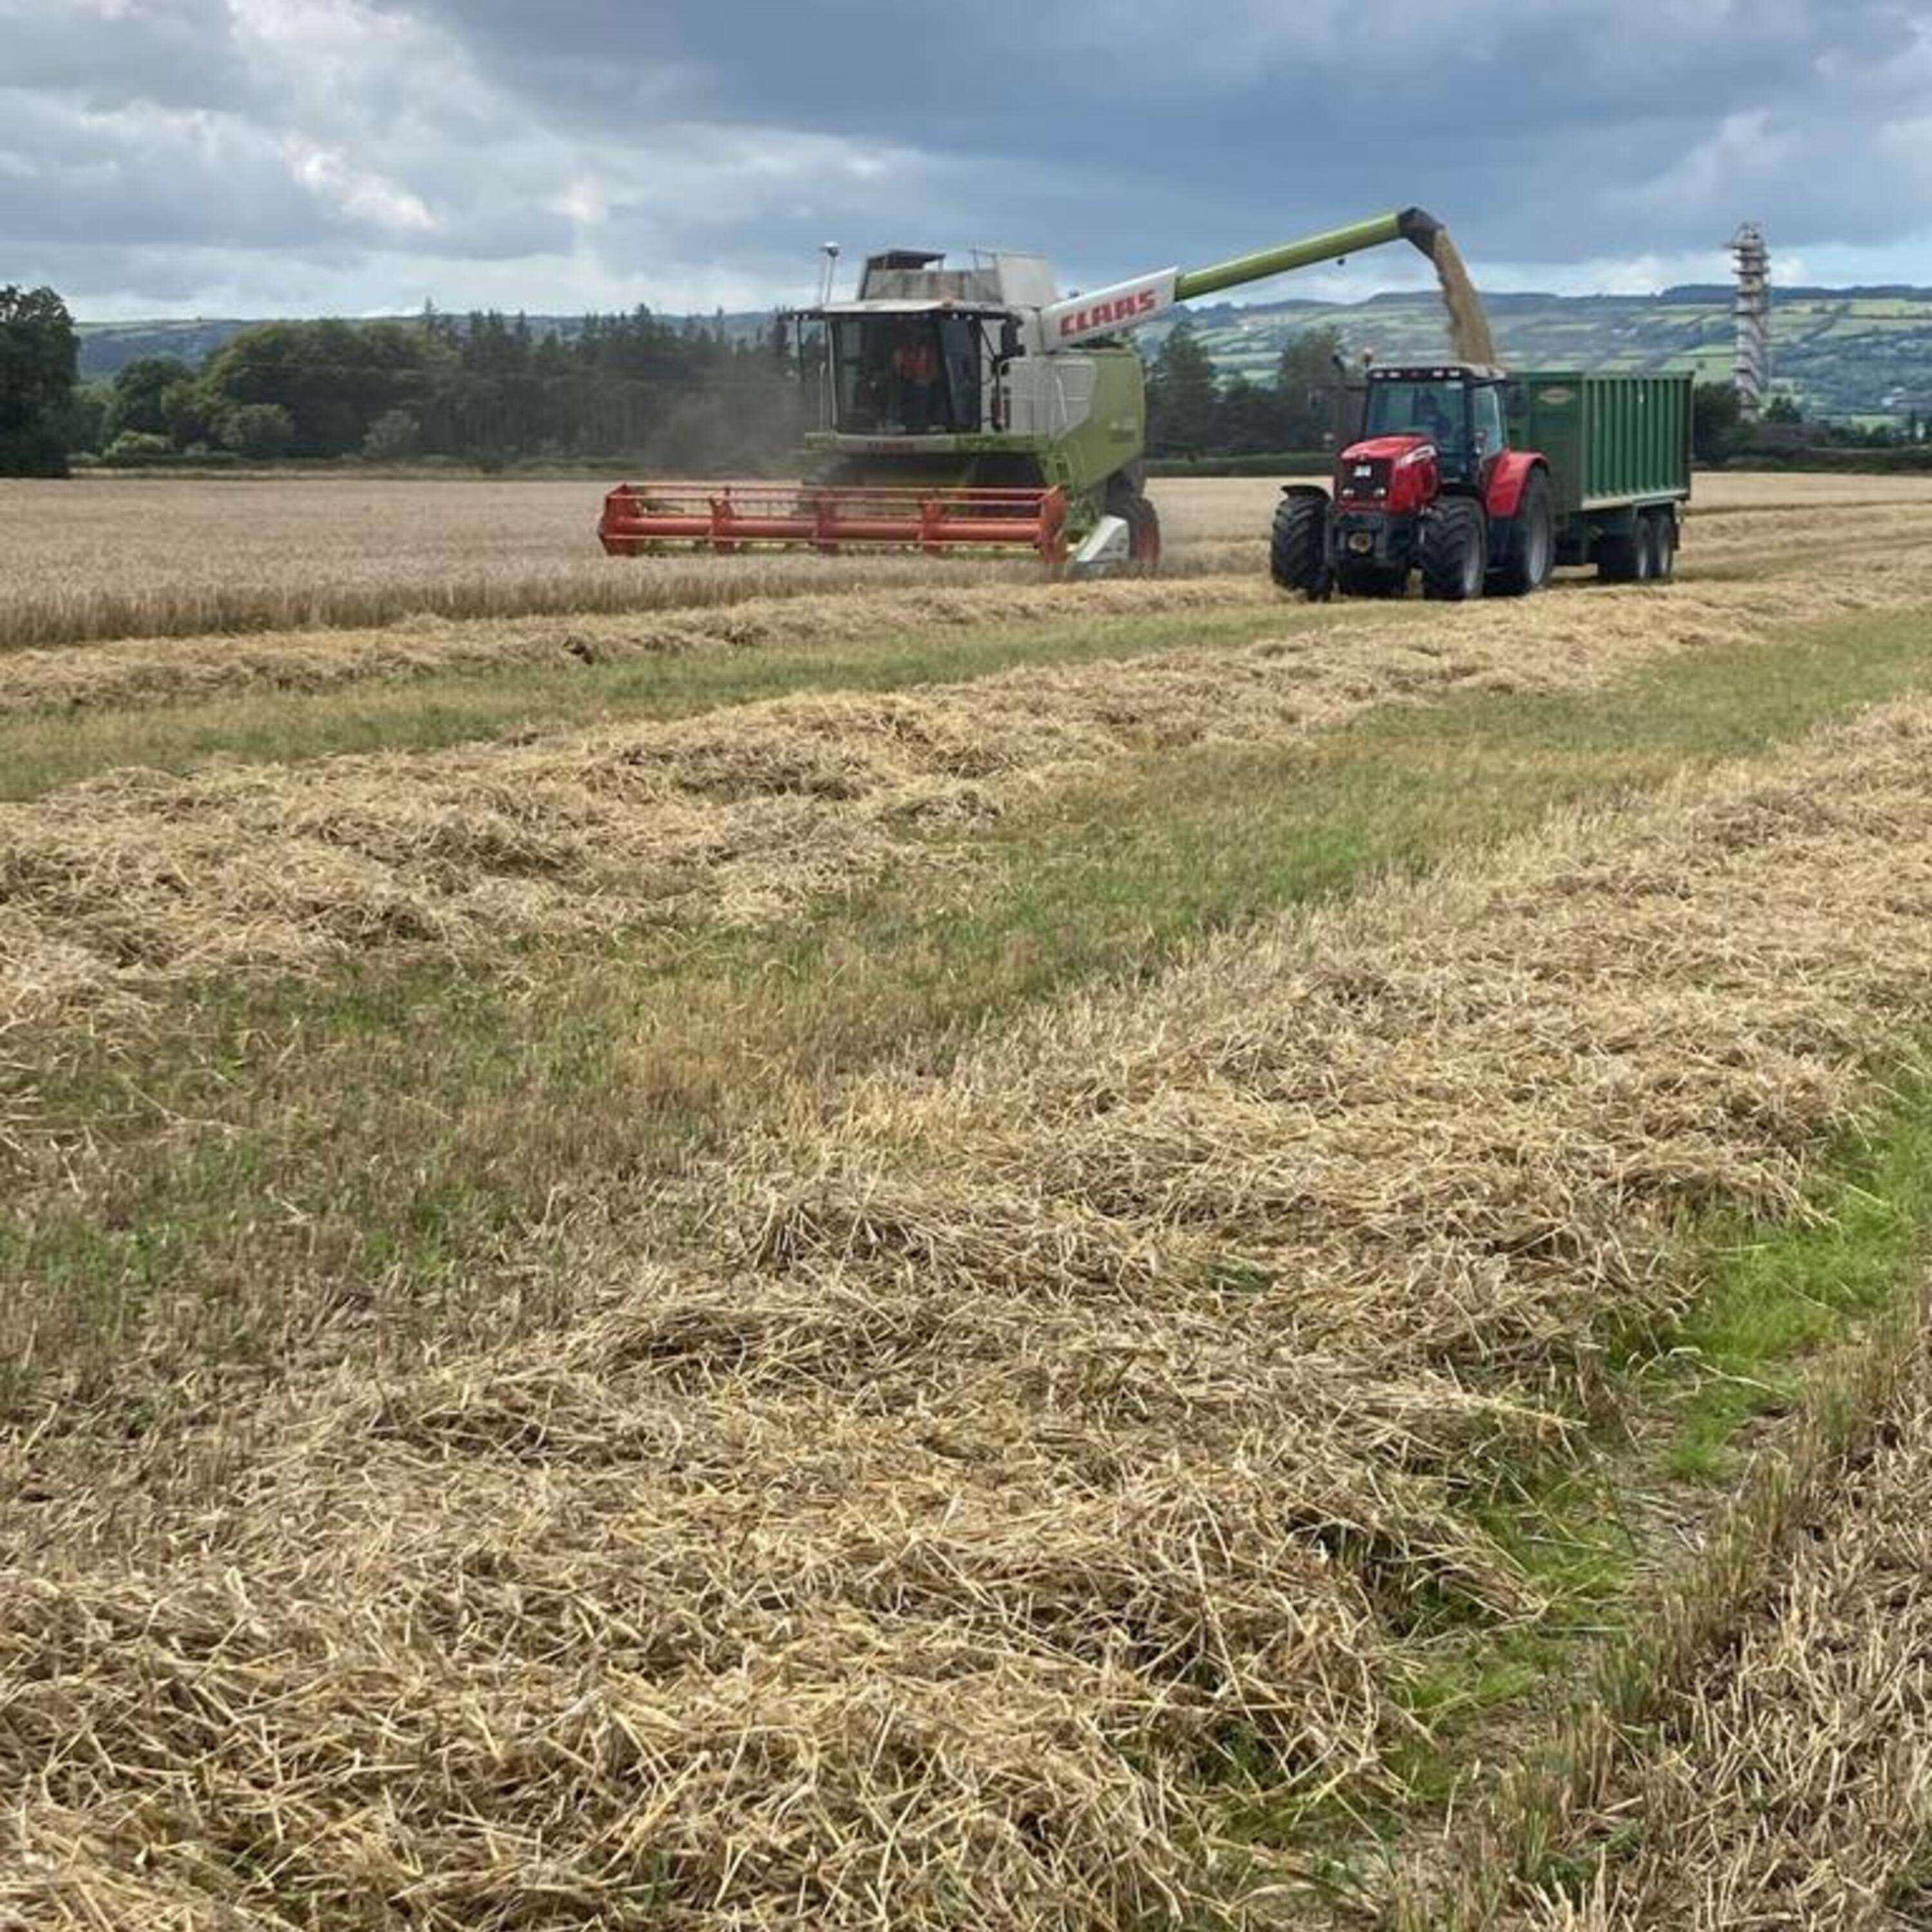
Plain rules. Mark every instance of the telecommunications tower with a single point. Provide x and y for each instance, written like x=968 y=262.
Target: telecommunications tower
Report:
x=1753 y=256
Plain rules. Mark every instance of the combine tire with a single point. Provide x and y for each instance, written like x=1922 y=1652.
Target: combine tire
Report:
x=1662 y=545
x=1532 y=550
x=1130 y=504
x=1298 y=551
x=1454 y=551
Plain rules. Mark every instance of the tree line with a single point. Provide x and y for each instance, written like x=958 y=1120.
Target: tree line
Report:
x=1192 y=413
x=489 y=389
x=486 y=389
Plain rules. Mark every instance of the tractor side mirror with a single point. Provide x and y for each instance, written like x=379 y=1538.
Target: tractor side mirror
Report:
x=1009 y=340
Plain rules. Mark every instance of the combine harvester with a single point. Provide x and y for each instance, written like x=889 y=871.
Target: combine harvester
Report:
x=976 y=408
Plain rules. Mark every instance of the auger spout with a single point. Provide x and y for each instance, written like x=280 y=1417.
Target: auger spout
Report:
x=1407 y=224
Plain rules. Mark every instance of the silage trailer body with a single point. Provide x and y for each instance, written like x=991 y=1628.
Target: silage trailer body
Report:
x=1618 y=446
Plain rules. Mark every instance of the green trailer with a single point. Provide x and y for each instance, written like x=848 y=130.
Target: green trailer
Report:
x=1481 y=481
x=1618 y=452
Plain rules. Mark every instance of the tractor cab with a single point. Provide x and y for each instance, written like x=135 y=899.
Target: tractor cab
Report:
x=1455 y=409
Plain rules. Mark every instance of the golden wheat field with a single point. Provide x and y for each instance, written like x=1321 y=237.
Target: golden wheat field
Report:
x=108 y=556
x=794 y=1243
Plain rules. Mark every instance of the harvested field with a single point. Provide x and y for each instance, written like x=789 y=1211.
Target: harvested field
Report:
x=118 y=556
x=1079 y=1435
x=738 y=816
x=1006 y=1447
x=1790 y=1782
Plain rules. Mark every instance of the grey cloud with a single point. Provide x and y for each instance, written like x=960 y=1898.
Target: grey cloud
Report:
x=658 y=150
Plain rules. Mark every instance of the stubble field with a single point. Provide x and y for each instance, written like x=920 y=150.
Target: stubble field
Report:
x=771 y=1243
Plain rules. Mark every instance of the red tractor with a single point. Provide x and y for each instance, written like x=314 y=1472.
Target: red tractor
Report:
x=1433 y=487
x=1483 y=482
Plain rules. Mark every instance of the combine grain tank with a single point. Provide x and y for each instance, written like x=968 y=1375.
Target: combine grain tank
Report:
x=972 y=407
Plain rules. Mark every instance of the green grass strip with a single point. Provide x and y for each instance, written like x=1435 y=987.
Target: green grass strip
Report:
x=410 y=1123
x=42 y=750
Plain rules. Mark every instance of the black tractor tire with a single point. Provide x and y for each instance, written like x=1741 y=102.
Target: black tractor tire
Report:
x=1298 y=547
x=1126 y=500
x=1662 y=545
x=1532 y=548
x=1371 y=580
x=1630 y=559
x=1454 y=551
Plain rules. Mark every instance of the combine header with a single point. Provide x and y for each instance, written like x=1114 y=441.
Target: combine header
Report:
x=974 y=408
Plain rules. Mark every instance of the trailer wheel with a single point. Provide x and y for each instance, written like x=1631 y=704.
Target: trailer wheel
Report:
x=1454 y=551
x=1532 y=550
x=1131 y=505
x=1629 y=558
x=1298 y=549
x=1662 y=545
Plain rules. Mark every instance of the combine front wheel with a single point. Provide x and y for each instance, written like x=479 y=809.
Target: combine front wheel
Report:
x=1132 y=506
x=1455 y=551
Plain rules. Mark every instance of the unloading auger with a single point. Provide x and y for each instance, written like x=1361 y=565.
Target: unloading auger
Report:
x=974 y=408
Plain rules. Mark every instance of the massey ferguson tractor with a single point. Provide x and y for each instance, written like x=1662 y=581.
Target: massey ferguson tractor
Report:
x=971 y=408
x=1477 y=481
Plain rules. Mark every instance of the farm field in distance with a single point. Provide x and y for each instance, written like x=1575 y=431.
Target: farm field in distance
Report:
x=779 y=1241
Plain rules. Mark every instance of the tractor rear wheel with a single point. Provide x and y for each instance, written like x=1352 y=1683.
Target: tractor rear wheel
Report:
x=1130 y=503
x=1298 y=549
x=1454 y=551
x=1532 y=549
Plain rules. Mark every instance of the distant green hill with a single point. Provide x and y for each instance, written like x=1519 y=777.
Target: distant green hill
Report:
x=1852 y=354
x=1863 y=354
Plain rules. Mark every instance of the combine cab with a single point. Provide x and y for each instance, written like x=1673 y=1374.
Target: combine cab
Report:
x=969 y=409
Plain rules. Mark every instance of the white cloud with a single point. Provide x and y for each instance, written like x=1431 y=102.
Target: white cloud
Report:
x=326 y=173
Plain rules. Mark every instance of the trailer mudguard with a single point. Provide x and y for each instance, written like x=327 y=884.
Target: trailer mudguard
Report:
x=1508 y=480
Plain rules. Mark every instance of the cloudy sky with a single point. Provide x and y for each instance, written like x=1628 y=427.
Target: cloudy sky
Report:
x=281 y=156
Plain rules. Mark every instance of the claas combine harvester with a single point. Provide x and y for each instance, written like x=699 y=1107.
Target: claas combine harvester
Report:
x=971 y=408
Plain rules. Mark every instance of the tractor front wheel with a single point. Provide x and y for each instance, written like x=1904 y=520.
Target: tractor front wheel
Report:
x=1298 y=548
x=1454 y=551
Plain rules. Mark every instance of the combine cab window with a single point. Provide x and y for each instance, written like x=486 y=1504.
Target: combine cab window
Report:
x=1439 y=410
x=916 y=375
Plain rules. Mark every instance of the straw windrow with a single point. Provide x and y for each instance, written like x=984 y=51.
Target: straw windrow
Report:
x=1021 y=1462
x=117 y=883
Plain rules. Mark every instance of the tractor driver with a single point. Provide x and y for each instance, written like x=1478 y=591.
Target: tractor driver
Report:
x=1431 y=420
x=915 y=373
